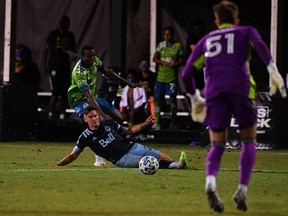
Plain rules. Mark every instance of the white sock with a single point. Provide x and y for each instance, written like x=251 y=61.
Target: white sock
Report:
x=174 y=165
x=210 y=183
x=98 y=158
x=243 y=187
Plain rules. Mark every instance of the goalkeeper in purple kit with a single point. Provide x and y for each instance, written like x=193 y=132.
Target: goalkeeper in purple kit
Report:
x=229 y=90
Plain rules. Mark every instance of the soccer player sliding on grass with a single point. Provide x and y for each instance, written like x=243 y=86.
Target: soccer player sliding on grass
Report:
x=82 y=92
x=104 y=138
x=229 y=90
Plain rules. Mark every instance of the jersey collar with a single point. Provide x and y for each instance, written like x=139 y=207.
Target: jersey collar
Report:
x=83 y=65
x=226 y=25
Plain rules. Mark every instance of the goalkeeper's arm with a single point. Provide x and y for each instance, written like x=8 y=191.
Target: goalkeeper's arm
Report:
x=277 y=82
x=198 y=112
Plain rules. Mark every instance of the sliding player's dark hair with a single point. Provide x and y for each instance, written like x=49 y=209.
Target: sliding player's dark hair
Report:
x=89 y=109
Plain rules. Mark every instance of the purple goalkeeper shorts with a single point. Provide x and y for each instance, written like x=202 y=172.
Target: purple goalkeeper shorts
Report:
x=221 y=108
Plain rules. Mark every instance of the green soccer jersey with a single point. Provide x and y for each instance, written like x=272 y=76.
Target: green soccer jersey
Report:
x=83 y=79
x=169 y=53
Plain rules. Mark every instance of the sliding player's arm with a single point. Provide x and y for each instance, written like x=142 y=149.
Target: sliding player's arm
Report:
x=138 y=127
x=68 y=159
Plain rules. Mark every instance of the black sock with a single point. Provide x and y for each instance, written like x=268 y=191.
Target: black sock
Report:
x=164 y=164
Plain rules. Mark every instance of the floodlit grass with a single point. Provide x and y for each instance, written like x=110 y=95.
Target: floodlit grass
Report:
x=29 y=186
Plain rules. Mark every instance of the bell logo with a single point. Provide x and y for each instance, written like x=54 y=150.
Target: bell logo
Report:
x=109 y=139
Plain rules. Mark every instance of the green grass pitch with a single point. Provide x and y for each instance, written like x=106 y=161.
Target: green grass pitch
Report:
x=29 y=186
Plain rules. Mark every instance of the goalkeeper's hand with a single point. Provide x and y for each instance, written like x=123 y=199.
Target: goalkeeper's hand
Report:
x=198 y=112
x=277 y=82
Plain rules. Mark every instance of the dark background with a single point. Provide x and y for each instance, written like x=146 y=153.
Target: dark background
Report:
x=120 y=32
x=120 y=29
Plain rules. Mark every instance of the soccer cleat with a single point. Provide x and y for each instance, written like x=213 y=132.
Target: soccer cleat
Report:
x=156 y=126
x=215 y=201
x=239 y=199
x=100 y=164
x=183 y=160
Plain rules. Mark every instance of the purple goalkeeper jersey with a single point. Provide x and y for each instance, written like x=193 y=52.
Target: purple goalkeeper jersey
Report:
x=225 y=54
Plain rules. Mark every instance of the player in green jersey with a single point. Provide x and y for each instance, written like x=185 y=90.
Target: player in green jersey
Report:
x=169 y=57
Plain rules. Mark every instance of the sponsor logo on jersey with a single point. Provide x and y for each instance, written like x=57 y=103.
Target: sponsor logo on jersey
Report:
x=108 y=140
x=107 y=128
x=82 y=70
x=85 y=105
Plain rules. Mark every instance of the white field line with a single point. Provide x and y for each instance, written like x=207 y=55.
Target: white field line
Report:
x=119 y=169
x=40 y=145
x=66 y=169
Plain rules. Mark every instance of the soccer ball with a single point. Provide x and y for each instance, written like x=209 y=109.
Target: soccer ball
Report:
x=148 y=165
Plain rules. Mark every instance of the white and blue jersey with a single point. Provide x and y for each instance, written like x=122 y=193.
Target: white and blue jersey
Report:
x=106 y=141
